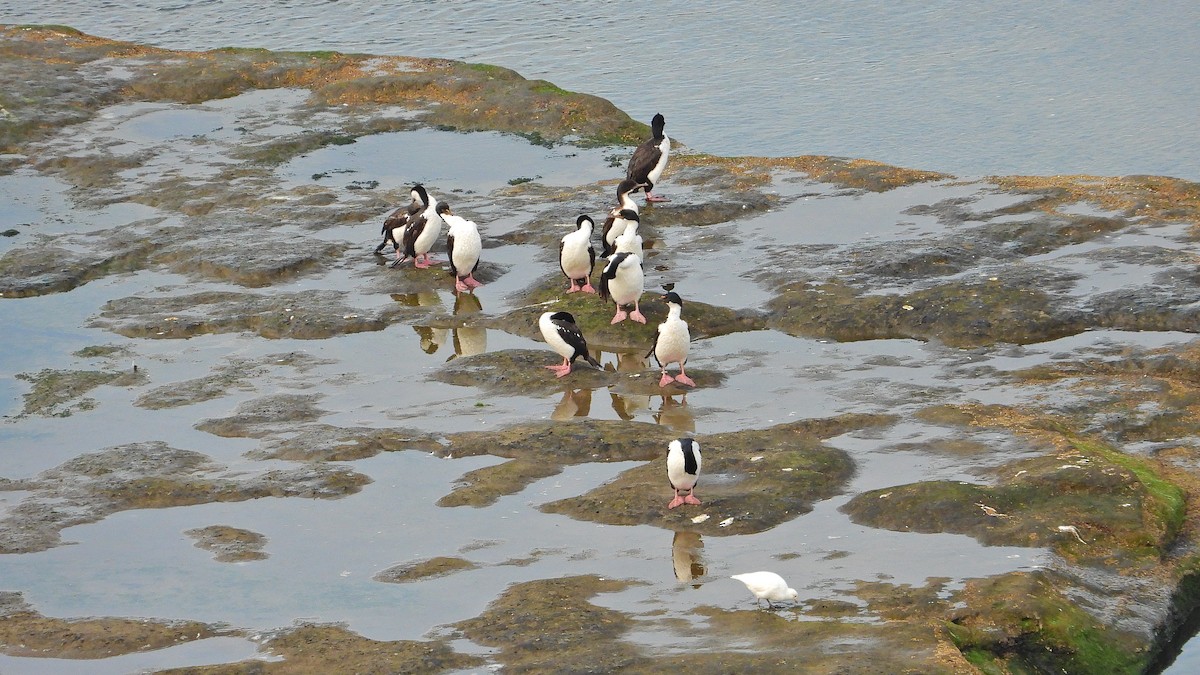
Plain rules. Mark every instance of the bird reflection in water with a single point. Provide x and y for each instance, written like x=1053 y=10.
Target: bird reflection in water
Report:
x=627 y=406
x=672 y=413
x=574 y=403
x=686 y=557
x=432 y=338
x=627 y=362
x=465 y=340
x=676 y=415
x=467 y=303
x=468 y=340
x=421 y=299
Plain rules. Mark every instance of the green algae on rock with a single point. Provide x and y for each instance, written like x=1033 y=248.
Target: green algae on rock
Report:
x=328 y=443
x=850 y=173
x=751 y=481
x=778 y=642
x=229 y=544
x=58 y=77
x=1091 y=504
x=57 y=393
x=1132 y=395
x=236 y=375
x=306 y=316
x=333 y=648
x=1111 y=516
x=548 y=625
x=1024 y=622
x=143 y=476
x=483 y=487
x=479 y=97
x=594 y=318
x=259 y=417
x=541 y=449
x=425 y=569
x=25 y=632
x=960 y=314
x=44 y=268
x=521 y=372
x=1157 y=197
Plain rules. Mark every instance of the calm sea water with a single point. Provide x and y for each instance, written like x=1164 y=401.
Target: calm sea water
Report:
x=1019 y=87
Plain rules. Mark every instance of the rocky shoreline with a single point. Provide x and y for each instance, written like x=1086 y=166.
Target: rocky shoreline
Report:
x=1106 y=462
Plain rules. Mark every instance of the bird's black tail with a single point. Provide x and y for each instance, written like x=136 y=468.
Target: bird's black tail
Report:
x=592 y=362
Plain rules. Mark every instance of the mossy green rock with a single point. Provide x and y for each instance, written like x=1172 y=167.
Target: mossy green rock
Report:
x=750 y=481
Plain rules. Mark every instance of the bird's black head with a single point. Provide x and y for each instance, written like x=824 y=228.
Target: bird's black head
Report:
x=583 y=219
x=628 y=185
x=658 y=123
x=630 y=214
x=443 y=208
x=673 y=297
x=562 y=316
x=419 y=192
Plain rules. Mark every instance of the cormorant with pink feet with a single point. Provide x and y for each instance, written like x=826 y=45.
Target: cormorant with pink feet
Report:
x=650 y=158
x=577 y=256
x=560 y=332
x=463 y=245
x=401 y=217
x=623 y=281
x=683 y=470
x=420 y=235
x=671 y=342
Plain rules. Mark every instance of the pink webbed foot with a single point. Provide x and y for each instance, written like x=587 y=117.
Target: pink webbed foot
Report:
x=561 y=370
x=684 y=379
x=587 y=288
x=651 y=197
x=472 y=281
x=637 y=316
x=461 y=287
x=680 y=500
x=573 y=289
x=420 y=265
x=620 y=316
x=665 y=380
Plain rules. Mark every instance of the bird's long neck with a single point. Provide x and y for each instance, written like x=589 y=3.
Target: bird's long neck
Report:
x=674 y=312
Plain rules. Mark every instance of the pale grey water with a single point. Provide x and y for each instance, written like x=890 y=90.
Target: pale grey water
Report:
x=1019 y=87
x=970 y=90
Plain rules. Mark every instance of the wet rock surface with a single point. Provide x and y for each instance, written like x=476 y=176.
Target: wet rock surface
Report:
x=434 y=567
x=314 y=648
x=148 y=476
x=918 y=355
x=753 y=481
x=25 y=632
x=230 y=544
